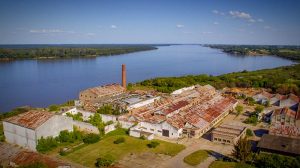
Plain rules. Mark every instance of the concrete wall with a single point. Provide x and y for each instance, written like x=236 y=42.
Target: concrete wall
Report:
x=109 y=128
x=126 y=124
x=106 y=118
x=54 y=125
x=85 y=114
x=15 y=134
x=157 y=129
x=86 y=127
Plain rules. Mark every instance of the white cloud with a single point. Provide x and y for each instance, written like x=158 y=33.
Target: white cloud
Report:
x=46 y=31
x=260 y=20
x=215 y=11
x=179 y=26
x=267 y=27
x=206 y=32
x=91 y=34
x=252 y=20
x=216 y=23
x=113 y=26
x=240 y=15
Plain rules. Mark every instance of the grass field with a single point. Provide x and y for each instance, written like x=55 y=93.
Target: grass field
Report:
x=196 y=157
x=88 y=155
x=221 y=164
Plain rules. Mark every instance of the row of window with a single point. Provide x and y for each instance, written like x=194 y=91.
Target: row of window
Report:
x=221 y=140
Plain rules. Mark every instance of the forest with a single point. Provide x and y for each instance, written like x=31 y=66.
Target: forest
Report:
x=69 y=52
x=282 y=80
x=289 y=52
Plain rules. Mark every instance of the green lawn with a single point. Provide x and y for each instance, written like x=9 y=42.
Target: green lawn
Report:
x=88 y=155
x=221 y=164
x=196 y=157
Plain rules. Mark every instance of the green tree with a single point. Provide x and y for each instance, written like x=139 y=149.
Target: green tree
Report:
x=96 y=120
x=239 y=109
x=242 y=150
x=259 y=108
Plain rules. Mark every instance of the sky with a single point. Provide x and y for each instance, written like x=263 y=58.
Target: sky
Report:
x=150 y=21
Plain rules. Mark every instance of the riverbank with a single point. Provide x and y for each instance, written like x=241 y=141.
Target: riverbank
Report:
x=287 y=52
x=283 y=80
x=11 y=54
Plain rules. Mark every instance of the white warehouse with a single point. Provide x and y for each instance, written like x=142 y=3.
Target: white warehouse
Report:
x=25 y=129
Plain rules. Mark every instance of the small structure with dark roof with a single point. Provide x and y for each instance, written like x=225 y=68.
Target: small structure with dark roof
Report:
x=278 y=144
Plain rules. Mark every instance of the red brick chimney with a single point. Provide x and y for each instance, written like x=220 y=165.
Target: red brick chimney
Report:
x=124 y=75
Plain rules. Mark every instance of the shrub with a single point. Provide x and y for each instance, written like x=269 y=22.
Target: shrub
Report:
x=105 y=161
x=119 y=140
x=142 y=137
x=91 y=138
x=46 y=144
x=54 y=107
x=66 y=136
x=249 y=132
x=153 y=144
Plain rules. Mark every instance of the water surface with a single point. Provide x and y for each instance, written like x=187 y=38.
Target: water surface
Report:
x=40 y=83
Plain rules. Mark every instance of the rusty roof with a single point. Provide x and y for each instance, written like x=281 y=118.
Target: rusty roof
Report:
x=285 y=111
x=31 y=119
x=28 y=157
x=105 y=90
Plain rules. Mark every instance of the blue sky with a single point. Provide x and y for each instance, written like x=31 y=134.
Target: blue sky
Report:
x=149 y=21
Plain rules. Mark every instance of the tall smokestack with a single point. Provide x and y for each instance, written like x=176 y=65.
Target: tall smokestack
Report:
x=124 y=76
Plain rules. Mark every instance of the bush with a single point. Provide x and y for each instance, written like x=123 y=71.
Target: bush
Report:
x=153 y=144
x=91 y=138
x=249 y=132
x=54 y=107
x=105 y=161
x=119 y=140
x=66 y=136
x=142 y=137
x=46 y=144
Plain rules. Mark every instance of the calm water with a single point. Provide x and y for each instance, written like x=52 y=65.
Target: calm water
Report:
x=40 y=83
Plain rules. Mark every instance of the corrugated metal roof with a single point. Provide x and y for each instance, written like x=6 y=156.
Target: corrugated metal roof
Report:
x=31 y=119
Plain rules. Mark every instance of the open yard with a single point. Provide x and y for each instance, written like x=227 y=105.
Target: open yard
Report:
x=196 y=158
x=88 y=155
x=222 y=164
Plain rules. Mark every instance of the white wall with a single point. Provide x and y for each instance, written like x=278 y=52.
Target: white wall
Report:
x=87 y=127
x=19 y=135
x=157 y=129
x=54 y=125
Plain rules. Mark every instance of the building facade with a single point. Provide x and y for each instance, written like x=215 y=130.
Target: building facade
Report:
x=26 y=129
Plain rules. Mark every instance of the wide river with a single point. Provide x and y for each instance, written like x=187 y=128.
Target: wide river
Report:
x=40 y=83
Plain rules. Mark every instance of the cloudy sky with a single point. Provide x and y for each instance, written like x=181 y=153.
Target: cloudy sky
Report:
x=150 y=21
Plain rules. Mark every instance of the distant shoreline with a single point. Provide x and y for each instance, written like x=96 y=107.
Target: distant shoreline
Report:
x=8 y=54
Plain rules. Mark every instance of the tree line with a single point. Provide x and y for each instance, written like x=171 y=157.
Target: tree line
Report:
x=283 y=80
x=67 y=52
x=289 y=52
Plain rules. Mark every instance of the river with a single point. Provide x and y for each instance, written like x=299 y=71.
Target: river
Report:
x=40 y=83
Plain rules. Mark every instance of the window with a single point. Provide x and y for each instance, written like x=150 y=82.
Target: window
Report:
x=228 y=141
x=159 y=131
x=215 y=139
x=151 y=129
x=219 y=139
x=224 y=140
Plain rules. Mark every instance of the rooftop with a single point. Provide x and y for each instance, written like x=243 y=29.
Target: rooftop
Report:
x=105 y=90
x=280 y=144
x=31 y=119
x=229 y=130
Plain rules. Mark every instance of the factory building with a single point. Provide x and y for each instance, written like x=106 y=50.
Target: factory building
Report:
x=100 y=93
x=27 y=128
x=228 y=134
